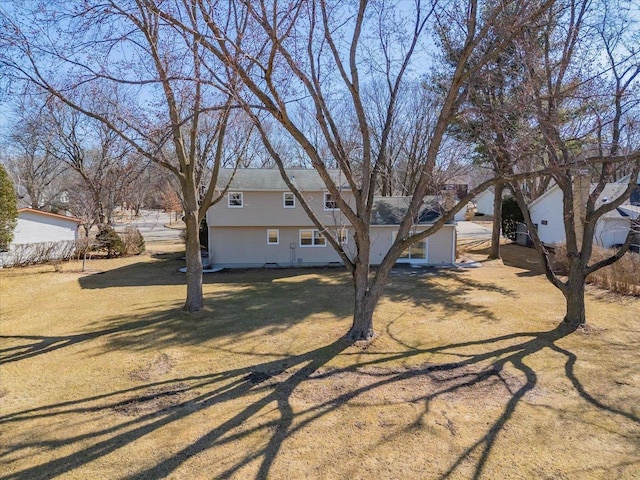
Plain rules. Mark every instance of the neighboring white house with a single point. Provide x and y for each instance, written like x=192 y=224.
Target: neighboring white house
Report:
x=260 y=223
x=547 y=215
x=37 y=231
x=484 y=202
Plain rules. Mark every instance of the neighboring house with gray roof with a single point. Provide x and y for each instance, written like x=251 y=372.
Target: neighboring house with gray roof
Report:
x=547 y=215
x=260 y=223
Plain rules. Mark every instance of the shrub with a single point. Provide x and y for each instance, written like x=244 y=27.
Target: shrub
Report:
x=109 y=241
x=511 y=217
x=84 y=246
x=621 y=277
x=133 y=241
x=35 y=253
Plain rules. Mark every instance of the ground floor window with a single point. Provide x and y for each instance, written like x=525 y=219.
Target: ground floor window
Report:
x=416 y=251
x=342 y=236
x=312 y=238
x=273 y=236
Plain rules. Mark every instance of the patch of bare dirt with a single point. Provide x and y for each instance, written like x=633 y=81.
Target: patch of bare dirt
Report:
x=588 y=329
x=376 y=385
x=154 y=400
x=160 y=366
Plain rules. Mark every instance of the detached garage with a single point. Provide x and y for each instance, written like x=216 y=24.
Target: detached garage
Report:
x=39 y=234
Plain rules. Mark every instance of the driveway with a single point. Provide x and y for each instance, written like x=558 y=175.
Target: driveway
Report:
x=151 y=224
x=472 y=231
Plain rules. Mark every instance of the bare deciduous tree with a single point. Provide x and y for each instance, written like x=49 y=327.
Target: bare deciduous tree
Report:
x=155 y=92
x=35 y=170
x=582 y=113
x=101 y=160
x=305 y=63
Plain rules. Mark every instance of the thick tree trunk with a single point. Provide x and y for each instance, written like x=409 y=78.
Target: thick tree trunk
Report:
x=194 y=300
x=574 y=296
x=497 y=222
x=364 y=305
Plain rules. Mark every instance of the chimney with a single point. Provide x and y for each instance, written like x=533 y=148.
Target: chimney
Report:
x=581 y=188
x=448 y=199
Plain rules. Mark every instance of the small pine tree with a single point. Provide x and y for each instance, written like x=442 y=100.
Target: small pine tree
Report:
x=109 y=240
x=8 y=209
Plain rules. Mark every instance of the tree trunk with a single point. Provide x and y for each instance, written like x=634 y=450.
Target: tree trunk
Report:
x=497 y=222
x=194 y=300
x=574 y=296
x=365 y=304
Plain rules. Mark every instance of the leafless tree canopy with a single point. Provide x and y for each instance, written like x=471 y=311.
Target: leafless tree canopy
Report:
x=371 y=88
x=144 y=82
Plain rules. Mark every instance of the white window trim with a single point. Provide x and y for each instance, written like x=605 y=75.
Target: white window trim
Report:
x=394 y=235
x=342 y=236
x=277 y=242
x=324 y=203
x=284 y=200
x=313 y=238
x=241 y=200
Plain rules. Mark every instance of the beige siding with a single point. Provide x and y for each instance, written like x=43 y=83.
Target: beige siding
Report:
x=381 y=240
x=266 y=209
x=247 y=247
x=440 y=245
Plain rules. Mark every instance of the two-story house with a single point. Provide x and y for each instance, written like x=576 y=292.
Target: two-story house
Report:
x=260 y=223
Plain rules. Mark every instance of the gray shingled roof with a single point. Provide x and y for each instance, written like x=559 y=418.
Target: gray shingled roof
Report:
x=610 y=192
x=391 y=210
x=632 y=211
x=262 y=179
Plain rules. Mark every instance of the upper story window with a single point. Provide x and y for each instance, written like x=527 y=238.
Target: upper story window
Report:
x=288 y=200
x=329 y=202
x=235 y=200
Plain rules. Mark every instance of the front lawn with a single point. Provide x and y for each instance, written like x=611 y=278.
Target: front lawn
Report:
x=103 y=376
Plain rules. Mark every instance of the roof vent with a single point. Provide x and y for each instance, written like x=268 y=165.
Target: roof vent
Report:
x=605 y=199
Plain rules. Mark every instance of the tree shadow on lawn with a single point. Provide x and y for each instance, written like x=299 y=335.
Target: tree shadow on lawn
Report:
x=445 y=288
x=164 y=271
x=151 y=406
x=262 y=304
x=145 y=409
x=517 y=256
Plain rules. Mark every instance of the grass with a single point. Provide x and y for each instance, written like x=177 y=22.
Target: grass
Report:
x=104 y=376
x=621 y=277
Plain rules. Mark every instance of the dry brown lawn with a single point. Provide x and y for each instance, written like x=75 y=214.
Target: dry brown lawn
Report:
x=103 y=376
